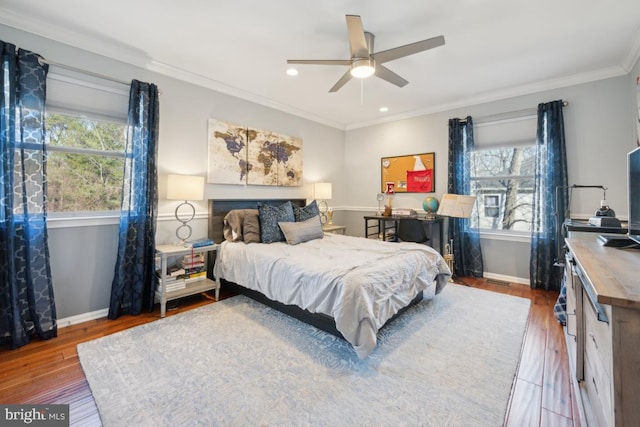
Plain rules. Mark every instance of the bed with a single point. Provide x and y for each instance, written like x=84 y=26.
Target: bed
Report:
x=348 y=286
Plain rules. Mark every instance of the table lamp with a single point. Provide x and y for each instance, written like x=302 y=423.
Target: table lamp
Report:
x=185 y=187
x=322 y=193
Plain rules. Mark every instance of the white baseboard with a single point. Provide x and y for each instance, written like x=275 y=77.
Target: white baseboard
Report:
x=505 y=278
x=84 y=317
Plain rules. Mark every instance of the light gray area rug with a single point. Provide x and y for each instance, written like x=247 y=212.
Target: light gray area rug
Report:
x=449 y=361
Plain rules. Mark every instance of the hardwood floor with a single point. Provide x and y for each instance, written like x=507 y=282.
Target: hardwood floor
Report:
x=49 y=372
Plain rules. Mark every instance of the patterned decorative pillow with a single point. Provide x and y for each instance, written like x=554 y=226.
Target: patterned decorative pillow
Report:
x=251 y=229
x=302 y=231
x=269 y=218
x=309 y=211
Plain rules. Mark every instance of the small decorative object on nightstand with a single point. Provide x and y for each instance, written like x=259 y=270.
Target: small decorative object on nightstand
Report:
x=336 y=229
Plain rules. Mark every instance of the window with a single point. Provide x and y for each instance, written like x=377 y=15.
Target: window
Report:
x=503 y=166
x=503 y=184
x=86 y=129
x=85 y=163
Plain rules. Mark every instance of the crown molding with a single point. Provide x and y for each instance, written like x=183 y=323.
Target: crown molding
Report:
x=499 y=95
x=200 y=80
x=86 y=42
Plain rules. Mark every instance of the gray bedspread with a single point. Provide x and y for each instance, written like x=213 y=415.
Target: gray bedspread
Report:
x=359 y=282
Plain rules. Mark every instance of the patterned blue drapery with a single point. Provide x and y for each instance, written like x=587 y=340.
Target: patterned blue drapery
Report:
x=467 y=254
x=133 y=284
x=550 y=195
x=27 y=305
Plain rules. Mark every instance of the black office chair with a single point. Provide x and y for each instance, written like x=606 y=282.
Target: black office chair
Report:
x=412 y=230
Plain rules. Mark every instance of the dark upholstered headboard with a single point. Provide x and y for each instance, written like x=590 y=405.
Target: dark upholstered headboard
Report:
x=219 y=208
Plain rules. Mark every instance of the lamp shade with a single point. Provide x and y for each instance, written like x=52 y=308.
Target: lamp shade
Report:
x=322 y=191
x=185 y=187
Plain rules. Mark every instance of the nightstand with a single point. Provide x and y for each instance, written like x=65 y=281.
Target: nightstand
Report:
x=173 y=288
x=332 y=228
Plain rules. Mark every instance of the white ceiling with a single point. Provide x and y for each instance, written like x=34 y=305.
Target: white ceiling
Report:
x=494 y=48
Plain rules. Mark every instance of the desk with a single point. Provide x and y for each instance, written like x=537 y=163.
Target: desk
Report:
x=382 y=224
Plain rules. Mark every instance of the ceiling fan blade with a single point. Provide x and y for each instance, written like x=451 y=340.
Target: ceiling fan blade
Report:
x=343 y=80
x=357 y=40
x=406 y=50
x=320 y=61
x=386 y=74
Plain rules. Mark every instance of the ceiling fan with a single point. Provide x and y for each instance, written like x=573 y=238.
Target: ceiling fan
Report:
x=364 y=62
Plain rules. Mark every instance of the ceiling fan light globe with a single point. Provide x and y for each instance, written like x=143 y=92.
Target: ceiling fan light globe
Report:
x=363 y=68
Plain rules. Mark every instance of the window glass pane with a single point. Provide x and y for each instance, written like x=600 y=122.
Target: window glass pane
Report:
x=84 y=181
x=83 y=132
x=504 y=204
x=505 y=161
x=503 y=184
x=81 y=183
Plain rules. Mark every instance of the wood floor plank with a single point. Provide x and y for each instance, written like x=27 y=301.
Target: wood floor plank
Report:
x=531 y=366
x=50 y=372
x=551 y=419
x=525 y=409
x=556 y=390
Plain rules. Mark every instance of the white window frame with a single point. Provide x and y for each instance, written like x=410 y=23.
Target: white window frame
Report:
x=516 y=121
x=112 y=108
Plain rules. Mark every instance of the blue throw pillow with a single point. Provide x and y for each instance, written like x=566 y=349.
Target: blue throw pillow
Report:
x=269 y=217
x=309 y=211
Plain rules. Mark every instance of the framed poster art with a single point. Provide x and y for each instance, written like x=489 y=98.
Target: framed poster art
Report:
x=274 y=159
x=242 y=155
x=413 y=173
x=227 y=152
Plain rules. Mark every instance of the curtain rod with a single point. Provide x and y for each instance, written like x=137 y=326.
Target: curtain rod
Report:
x=508 y=115
x=43 y=61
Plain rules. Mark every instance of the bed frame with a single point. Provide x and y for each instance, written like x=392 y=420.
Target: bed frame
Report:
x=217 y=211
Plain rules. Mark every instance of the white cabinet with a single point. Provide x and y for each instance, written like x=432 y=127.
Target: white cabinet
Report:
x=605 y=353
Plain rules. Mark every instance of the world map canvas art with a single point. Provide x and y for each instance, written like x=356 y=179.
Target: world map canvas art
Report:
x=241 y=155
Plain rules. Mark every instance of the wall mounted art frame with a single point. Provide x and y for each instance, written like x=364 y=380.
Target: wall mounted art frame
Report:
x=241 y=155
x=413 y=173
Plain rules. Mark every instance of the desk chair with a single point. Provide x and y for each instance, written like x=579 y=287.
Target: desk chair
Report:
x=412 y=230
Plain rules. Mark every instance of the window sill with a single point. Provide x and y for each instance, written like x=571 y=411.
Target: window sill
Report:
x=507 y=237
x=82 y=221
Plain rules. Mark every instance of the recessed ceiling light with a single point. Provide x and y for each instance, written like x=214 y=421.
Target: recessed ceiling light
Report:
x=292 y=72
x=384 y=109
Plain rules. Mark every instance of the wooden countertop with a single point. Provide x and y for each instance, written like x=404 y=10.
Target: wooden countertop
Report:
x=614 y=273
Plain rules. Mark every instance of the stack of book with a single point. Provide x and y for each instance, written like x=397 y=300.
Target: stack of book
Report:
x=190 y=269
x=194 y=267
x=173 y=280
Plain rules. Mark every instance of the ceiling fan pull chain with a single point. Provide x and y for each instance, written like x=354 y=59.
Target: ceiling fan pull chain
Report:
x=362 y=92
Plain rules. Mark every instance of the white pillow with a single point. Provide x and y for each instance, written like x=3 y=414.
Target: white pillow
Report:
x=303 y=231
